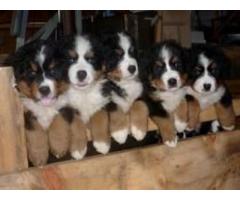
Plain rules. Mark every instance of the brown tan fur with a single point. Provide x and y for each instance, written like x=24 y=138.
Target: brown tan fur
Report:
x=139 y=118
x=118 y=120
x=99 y=127
x=158 y=83
x=226 y=116
x=78 y=132
x=59 y=138
x=115 y=74
x=182 y=111
x=193 y=115
x=37 y=144
x=166 y=127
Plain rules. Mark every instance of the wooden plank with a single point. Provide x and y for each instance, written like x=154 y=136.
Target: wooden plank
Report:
x=206 y=115
x=207 y=162
x=13 y=154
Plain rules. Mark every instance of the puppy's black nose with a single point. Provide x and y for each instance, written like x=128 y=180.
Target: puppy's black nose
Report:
x=132 y=69
x=172 y=82
x=207 y=86
x=81 y=75
x=44 y=90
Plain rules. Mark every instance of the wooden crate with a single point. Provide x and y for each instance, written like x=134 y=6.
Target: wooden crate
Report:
x=206 y=162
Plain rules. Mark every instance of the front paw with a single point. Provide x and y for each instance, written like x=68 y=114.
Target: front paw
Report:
x=180 y=125
x=137 y=133
x=171 y=143
x=120 y=136
x=79 y=154
x=101 y=147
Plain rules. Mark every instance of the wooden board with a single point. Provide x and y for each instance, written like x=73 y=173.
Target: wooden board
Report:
x=13 y=156
x=206 y=115
x=207 y=162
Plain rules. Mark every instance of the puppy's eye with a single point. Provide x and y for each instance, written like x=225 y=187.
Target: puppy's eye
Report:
x=199 y=70
x=131 y=50
x=157 y=70
x=90 y=60
x=71 y=60
x=54 y=72
x=32 y=74
x=177 y=65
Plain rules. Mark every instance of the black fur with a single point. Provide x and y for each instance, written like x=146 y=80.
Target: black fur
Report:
x=67 y=113
x=226 y=99
x=29 y=118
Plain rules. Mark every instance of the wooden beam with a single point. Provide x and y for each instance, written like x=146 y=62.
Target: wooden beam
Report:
x=13 y=155
x=206 y=162
x=206 y=115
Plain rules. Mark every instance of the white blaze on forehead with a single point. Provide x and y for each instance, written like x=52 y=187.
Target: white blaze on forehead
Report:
x=82 y=46
x=203 y=60
x=166 y=56
x=40 y=58
x=124 y=42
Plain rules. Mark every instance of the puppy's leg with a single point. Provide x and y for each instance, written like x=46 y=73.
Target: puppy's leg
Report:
x=225 y=112
x=100 y=131
x=119 y=125
x=37 y=140
x=58 y=133
x=193 y=109
x=180 y=116
x=78 y=143
x=167 y=130
x=139 y=120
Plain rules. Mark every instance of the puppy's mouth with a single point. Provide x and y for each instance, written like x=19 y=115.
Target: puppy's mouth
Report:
x=81 y=85
x=47 y=100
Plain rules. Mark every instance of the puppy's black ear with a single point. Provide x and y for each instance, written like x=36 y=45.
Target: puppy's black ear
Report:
x=225 y=65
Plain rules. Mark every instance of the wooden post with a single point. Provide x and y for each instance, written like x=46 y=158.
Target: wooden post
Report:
x=13 y=155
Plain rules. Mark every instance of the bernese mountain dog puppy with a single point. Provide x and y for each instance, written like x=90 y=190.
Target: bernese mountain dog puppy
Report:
x=38 y=77
x=122 y=71
x=166 y=91
x=208 y=70
x=87 y=93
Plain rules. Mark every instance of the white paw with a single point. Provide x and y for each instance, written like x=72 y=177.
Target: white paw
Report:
x=172 y=143
x=228 y=128
x=180 y=125
x=78 y=155
x=215 y=126
x=120 y=136
x=137 y=133
x=101 y=147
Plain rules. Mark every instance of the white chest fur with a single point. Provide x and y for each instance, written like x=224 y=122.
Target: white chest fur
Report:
x=44 y=114
x=206 y=100
x=170 y=100
x=133 y=89
x=87 y=101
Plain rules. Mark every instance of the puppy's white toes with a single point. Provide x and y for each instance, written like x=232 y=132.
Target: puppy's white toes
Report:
x=172 y=143
x=180 y=125
x=137 y=133
x=229 y=128
x=120 y=136
x=78 y=155
x=101 y=147
x=215 y=126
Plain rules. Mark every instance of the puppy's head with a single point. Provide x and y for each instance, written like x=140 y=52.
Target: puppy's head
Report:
x=208 y=69
x=167 y=66
x=37 y=72
x=120 y=59
x=82 y=55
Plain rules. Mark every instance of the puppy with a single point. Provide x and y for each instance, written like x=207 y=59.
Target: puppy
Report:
x=207 y=73
x=121 y=67
x=166 y=91
x=87 y=93
x=39 y=81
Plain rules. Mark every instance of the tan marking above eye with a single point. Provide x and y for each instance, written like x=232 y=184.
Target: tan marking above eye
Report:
x=52 y=65
x=33 y=66
x=89 y=54
x=159 y=63
x=72 y=53
x=212 y=65
x=119 y=51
